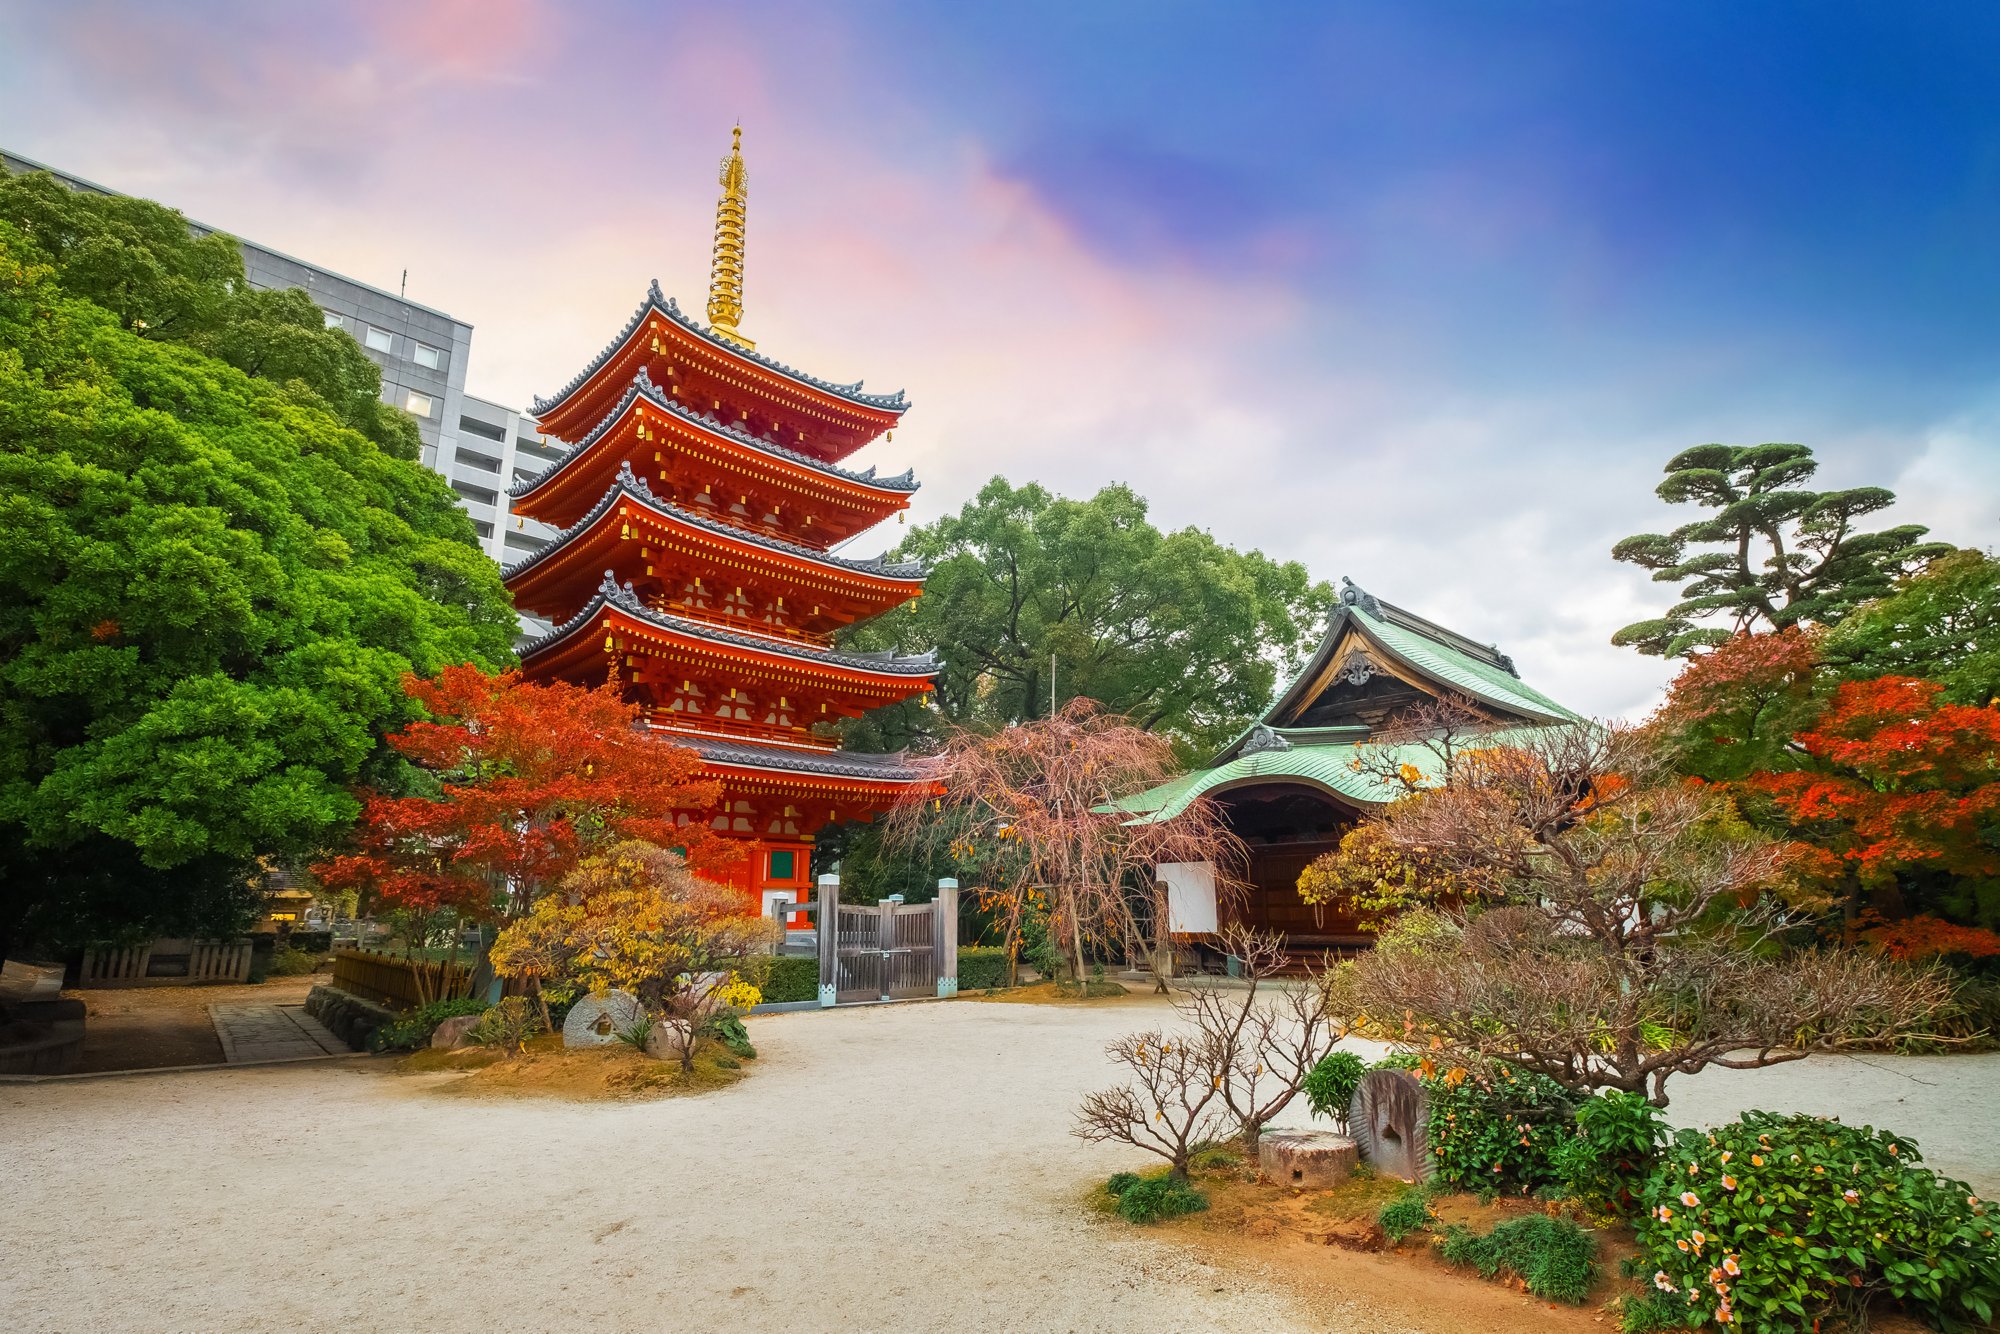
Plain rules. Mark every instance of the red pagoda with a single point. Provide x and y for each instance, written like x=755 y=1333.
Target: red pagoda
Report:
x=699 y=504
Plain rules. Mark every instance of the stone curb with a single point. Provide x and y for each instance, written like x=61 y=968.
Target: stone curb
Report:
x=181 y=1069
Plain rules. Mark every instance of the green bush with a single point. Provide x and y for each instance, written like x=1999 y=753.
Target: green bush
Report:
x=787 y=978
x=1497 y=1131
x=1653 y=1313
x=1151 y=1199
x=509 y=1024
x=288 y=962
x=1555 y=1258
x=1605 y=1162
x=1329 y=1088
x=413 y=1028
x=1407 y=1213
x=728 y=1029
x=1773 y=1222
x=319 y=944
x=981 y=967
x=1121 y=1182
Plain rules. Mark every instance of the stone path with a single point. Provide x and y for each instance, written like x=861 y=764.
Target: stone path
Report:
x=251 y=1032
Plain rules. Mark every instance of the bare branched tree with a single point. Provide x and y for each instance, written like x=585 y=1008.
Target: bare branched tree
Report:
x=1238 y=1064
x=1642 y=939
x=1035 y=806
x=1171 y=1104
x=1273 y=1033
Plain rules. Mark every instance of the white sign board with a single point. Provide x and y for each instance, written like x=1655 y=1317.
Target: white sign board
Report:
x=1190 y=897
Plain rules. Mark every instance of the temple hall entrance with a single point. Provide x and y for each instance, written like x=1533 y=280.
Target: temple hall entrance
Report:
x=1285 y=826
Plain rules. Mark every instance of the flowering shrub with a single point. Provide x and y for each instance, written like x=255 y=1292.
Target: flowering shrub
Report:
x=1771 y=1221
x=1496 y=1131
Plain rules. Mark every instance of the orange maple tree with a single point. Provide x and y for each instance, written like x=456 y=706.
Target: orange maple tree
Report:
x=1900 y=783
x=528 y=780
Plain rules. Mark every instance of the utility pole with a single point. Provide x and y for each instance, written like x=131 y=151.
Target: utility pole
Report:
x=404 y=290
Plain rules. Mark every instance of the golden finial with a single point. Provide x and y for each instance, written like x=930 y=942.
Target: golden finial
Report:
x=725 y=275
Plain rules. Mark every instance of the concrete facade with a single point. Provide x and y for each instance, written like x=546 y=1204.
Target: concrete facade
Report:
x=480 y=448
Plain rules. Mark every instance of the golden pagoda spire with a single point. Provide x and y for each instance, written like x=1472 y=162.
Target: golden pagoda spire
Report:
x=725 y=275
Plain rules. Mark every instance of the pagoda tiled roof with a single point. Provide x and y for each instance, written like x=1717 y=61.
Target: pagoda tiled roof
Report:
x=667 y=306
x=630 y=484
x=611 y=593
x=643 y=386
x=895 y=768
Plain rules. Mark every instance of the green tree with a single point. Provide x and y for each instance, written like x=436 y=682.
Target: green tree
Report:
x=1770 y=555
x=210 y=592
x=164 y=282
x=1942 y=625
x=1184 y=636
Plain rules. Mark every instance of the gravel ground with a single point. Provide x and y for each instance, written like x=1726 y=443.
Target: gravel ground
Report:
x=906 y=1167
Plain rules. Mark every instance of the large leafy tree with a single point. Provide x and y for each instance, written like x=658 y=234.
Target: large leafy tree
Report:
x=1770 y=554
x=1180 y=634
x=1942 y=624
x=166 y=283
x=210 y=589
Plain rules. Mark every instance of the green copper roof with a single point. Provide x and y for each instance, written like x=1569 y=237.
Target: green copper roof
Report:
x=1331 y=758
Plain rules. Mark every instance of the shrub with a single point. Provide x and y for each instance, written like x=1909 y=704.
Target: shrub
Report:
x=509 y=1024
x=1653 y=1313
x=1151 y=1199
x=1329 y=1089
x=1605 y=1162
x=319 y=944
x=638 y=1034
x=1554 y=1257
x=288 y=962
x=1407 y=1213
x=1120 y=1182
x=1771 y=1222
x=981 y=967
x=413 y=1028
x=786 y=979
x=727 y=1028
x=1496 y=1131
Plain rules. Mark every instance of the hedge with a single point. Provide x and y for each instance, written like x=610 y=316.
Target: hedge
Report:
x=788 y=978
x=981 y=967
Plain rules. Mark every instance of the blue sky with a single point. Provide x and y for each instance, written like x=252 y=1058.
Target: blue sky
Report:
x=1419 y=293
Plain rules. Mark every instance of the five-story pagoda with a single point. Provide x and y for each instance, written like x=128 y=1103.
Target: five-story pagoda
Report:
x=699 y=504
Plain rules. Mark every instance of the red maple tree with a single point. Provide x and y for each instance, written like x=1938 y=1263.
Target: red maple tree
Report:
x=1900 y=784
x=529 y=778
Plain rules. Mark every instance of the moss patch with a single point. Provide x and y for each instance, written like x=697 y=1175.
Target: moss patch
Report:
x=547 y=1069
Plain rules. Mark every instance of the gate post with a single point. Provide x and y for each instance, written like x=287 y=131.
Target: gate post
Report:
x=829 y=939
x=887 y=941
x=944 y=936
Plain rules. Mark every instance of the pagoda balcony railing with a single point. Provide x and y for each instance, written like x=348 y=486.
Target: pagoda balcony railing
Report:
x=667 y=720
x=742 y=624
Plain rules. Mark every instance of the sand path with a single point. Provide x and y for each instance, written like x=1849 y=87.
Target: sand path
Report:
x=898 y=1168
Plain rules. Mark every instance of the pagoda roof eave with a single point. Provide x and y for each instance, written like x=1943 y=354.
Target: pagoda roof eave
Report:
x=889 y=770
x=894 y=404
x=611 y=595
x=633 y=487
x=643 y=387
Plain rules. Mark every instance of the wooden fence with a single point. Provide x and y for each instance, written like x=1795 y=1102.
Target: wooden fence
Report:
x=167 y=963
x=400 y=984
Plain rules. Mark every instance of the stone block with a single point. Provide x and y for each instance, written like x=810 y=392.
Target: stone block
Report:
x=1308 y=1159
x=595 y=1020
x=452 y=1032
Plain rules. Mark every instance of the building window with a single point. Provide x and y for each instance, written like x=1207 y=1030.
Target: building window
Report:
x=478 y=495
x=483 y=529
x=781 y=865
x=430 y=358
x=333 y=321
x=480 y=461
x=378 y=340
x=421 y=405
x=485 y=430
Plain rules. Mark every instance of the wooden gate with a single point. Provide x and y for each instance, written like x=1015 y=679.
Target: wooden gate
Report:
x=889 y=950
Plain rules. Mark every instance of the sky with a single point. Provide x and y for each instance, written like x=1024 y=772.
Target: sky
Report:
x=1423 y=294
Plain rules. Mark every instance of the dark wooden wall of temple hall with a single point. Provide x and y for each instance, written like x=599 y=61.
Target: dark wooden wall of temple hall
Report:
x=1285 y=826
